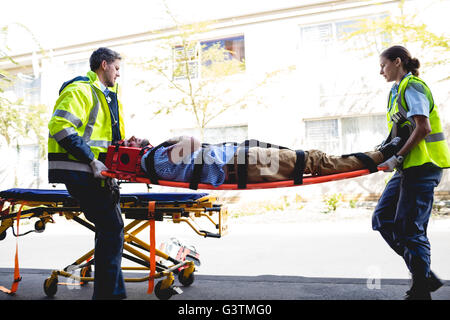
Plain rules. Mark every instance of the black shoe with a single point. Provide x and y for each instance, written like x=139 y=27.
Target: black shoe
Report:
x=417 y=295
x=422 y=287
x=391 y=148
x=434 y=282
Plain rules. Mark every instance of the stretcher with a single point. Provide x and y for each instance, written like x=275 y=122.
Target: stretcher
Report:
x=142 y=208
x=124 y=164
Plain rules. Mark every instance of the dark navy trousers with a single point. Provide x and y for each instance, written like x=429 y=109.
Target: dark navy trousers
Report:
x=99 y=207
x=402 y=214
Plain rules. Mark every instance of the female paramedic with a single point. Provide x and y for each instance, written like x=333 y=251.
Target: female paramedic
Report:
x=402 y=213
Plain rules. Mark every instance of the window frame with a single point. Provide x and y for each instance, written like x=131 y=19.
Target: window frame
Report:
x=340 y=130
x=196 y=56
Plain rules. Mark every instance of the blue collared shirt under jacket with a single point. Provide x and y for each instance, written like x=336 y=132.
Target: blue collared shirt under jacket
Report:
x=415 y=97
x=215 y=157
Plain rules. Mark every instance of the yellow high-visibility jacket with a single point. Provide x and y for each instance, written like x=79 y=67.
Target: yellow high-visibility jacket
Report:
x=83 y=124
x=432 y=149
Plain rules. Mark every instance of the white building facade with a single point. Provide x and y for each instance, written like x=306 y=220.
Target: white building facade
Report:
x=325 y=93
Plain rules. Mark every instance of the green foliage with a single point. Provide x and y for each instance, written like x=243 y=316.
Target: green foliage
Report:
x=11 y=120
x=189 y=81
x=276 y=205
x=36 y=119
x=17 y=119
x=216 y=62
x=374 y=35
x=331 y=202
x=200 y=80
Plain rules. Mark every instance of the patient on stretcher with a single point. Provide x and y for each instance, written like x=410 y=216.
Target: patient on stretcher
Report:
x=174 y=160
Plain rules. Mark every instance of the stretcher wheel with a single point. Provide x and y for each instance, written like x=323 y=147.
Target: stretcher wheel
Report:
x=39 y=226
x=87 y=273
x=2 y=235
x=186 y=281
x=50 y=286
x=163 y=294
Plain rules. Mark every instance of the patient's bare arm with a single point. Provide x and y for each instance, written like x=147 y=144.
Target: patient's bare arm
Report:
x=184 y=146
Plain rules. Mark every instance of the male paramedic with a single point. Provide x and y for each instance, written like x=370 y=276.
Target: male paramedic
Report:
x=175 y=159
x=86 y=119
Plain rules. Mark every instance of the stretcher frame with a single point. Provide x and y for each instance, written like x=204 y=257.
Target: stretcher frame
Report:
x=124 y=164
x=307 y=180
x=133 y=208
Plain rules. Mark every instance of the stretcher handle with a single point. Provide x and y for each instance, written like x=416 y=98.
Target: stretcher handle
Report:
x=208 y=234
x=36 y=211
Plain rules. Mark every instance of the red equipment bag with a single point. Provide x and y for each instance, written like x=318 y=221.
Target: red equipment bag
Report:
x=126 y=161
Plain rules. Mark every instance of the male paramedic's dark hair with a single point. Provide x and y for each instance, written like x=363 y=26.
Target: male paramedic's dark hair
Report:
x=102 y=54
x=409 y=63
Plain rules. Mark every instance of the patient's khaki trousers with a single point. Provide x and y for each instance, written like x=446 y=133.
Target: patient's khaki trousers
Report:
x=271 y=164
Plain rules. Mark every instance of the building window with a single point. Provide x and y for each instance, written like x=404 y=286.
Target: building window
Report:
x=28 y=165
x=185 y=61
x=360 y=134
x=323 y=135
x=77 y=68
x=237 y=133
x=28 y=88
x=234 y=133
x=234 y=48
x=341 y=61
x=321 y=33
x=333 y=33
x=197 y=58
x=345 y=135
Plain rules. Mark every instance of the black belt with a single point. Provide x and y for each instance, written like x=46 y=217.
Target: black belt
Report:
x=231 y=173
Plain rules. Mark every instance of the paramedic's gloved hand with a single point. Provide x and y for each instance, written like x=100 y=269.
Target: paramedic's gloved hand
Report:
x=391 y=163
x=391 y=148
x=97 y=167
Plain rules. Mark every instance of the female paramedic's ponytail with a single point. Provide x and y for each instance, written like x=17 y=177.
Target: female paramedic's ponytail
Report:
x=409 y=63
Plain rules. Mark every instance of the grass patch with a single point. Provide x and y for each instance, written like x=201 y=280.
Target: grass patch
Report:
x=281 y=204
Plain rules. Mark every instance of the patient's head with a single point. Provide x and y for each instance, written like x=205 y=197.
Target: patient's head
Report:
x=136 y=142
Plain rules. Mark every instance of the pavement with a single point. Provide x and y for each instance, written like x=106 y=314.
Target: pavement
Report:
x=293 y=255
x=227 y=288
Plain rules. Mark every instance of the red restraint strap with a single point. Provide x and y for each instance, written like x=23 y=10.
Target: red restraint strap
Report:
x=17 y=277
x=151 y=211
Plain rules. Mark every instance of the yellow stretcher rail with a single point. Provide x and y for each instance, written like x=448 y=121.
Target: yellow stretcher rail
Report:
x=135 y=208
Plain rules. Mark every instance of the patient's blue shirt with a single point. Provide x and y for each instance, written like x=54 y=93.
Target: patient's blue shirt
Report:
x=215 y=157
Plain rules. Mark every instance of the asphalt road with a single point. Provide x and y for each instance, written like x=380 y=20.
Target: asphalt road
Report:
x=280 y=255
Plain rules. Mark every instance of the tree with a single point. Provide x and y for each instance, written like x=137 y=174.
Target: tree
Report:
x=373 y=35
x=200 y=79
x=18 y=119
